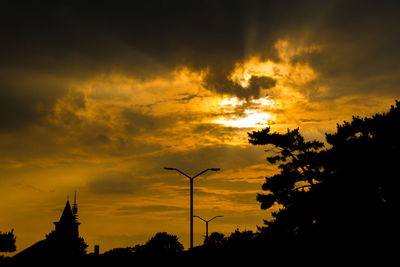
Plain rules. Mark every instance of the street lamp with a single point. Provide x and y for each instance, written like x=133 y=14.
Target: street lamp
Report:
x=191 y=195
x=207 y=221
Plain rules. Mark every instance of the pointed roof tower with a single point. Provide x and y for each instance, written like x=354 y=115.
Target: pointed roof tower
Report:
x=67 y=215
x=67 y=226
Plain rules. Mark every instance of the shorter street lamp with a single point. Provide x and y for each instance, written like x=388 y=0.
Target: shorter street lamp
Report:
x=207 y=221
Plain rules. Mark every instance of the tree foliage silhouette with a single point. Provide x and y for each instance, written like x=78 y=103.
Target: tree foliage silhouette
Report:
x=162 y=243
x=362 y=166
x=215 y=240
x=347 y=191
x=300 y=172
x=7 y=241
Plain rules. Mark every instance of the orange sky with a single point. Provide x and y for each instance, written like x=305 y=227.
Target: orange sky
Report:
x=103 y=115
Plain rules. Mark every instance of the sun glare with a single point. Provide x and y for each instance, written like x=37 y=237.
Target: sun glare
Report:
x=252 y=114
x=250 y=121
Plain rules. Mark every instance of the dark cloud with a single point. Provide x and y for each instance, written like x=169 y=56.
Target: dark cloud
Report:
x=220 y=83
x=115 y=183
x=133 y=35
x=25 y=100
x=358 y=43
x=137 y=121
x=62 y=35
x=16 y=111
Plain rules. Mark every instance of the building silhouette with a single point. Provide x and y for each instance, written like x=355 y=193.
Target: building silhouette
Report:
x=67 y=227
x=63 y=241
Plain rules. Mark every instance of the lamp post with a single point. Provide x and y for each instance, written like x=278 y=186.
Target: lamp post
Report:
x=207 y=221
x=191 y=195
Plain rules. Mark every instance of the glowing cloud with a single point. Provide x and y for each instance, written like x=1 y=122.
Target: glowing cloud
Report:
x=252 y=113
x=284 y=71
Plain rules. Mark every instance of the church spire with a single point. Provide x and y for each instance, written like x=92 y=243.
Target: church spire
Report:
x=67 y=226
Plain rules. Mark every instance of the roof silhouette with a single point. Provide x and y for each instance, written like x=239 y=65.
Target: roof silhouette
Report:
x=67 y=215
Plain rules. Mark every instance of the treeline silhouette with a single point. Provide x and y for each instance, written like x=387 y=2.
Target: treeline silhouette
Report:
x=329 y=200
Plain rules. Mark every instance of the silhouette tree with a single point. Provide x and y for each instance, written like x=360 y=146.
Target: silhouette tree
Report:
x=345 y=193
x=300 y=173
x=7 y=241
x=162 y=243
x=215 y=240
x=241 y=237
x=362 y=164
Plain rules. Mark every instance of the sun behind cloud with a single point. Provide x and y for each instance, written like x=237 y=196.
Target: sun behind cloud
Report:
x=252 y=116
x=289 y=76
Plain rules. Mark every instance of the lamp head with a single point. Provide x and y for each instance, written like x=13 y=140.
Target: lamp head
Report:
x=170 y=169
x=215 y=169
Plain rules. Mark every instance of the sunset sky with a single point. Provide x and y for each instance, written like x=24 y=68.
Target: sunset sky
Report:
x=99 y=96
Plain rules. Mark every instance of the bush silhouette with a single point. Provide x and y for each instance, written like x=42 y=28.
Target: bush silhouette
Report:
x=7 y=241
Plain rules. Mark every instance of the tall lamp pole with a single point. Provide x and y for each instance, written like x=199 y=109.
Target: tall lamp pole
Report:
x=191 y=195
x=207 y=221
